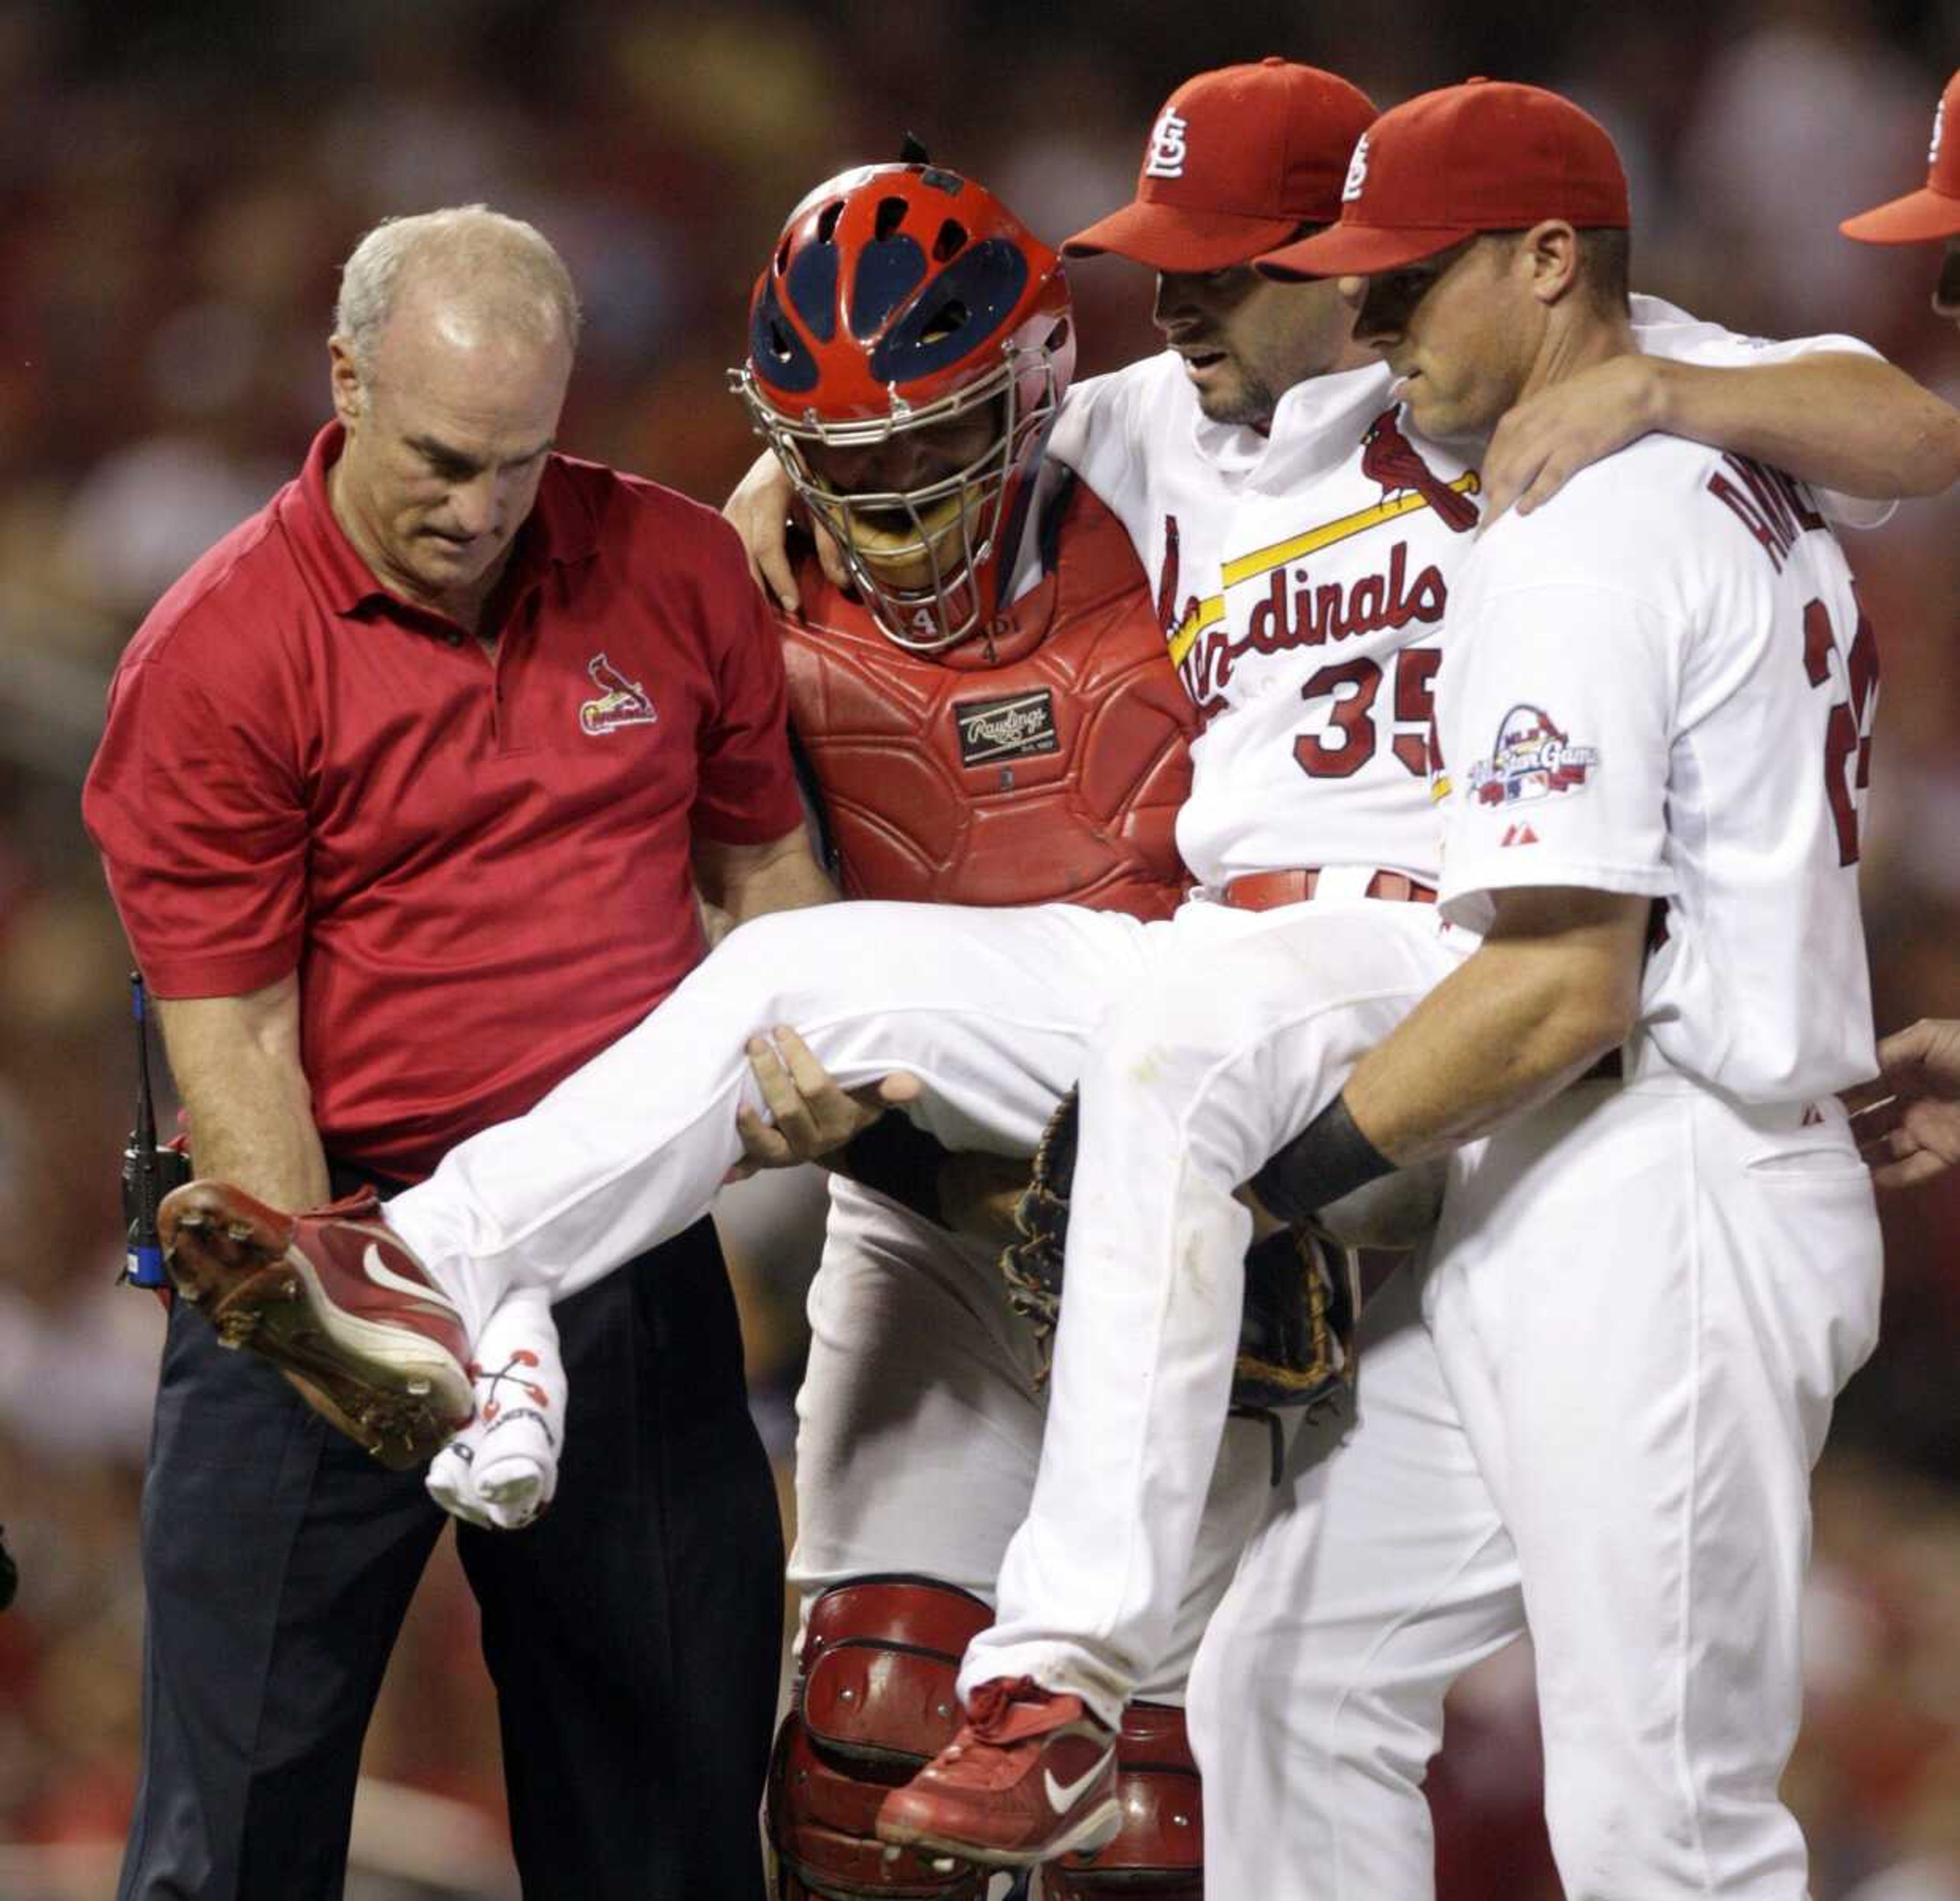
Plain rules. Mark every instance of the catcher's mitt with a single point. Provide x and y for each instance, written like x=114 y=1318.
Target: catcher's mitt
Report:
x=1303 y=1294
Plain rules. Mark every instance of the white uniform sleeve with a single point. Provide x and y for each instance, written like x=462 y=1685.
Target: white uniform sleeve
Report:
x=1555 y=707
x=1662 y=330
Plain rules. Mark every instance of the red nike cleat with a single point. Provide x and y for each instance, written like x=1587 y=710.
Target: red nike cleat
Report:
x=1030 y=1776
x=337 y=1302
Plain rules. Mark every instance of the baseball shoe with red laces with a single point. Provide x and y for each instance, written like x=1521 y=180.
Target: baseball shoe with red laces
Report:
x=1030 y=1776
x=336 y=1300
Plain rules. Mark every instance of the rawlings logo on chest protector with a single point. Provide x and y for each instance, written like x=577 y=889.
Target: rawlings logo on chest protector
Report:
x=1014 y=728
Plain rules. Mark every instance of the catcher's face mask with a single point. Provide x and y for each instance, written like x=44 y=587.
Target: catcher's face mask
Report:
x=917 y=514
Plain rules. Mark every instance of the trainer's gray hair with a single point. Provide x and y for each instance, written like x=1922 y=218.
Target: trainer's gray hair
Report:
x=499 y=265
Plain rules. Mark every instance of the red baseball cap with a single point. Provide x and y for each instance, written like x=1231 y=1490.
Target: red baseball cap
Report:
x=1934 y=212
x=1239 y=160
x=1484 y=156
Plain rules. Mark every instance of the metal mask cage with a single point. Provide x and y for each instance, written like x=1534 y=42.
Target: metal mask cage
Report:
x=952 y=604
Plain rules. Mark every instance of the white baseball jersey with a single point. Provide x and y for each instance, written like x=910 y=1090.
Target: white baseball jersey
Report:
x=1302 y=579
x=1660 y=683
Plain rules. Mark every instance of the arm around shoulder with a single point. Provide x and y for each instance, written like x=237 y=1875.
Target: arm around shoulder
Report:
x=1555 y=985
x=1838 y=419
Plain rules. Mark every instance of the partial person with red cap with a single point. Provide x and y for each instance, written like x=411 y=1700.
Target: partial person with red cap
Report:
x=1930 y=215
x=1305 y=540
x=1918 y=1135
x=1594 y=1407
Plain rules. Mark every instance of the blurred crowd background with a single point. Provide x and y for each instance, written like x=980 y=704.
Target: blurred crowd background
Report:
x=178 y=184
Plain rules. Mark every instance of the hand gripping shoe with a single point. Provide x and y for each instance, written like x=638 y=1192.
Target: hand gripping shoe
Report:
x=1031 y=1775
x=336 y=1301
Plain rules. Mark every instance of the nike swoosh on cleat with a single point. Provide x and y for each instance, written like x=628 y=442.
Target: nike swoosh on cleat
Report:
x=382 y=1274
x=1063 y=1796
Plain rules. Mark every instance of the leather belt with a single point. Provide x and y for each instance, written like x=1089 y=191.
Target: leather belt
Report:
x=1269 y=890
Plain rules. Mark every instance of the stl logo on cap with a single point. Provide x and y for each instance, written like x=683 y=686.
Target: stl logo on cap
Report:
x=1357 y=171
x=1167 y=147
x=1939 y=130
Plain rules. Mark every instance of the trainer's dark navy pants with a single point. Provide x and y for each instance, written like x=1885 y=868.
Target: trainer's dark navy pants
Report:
x=632 y=1633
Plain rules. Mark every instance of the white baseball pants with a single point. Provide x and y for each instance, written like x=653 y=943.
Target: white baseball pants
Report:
x=1597 y=1410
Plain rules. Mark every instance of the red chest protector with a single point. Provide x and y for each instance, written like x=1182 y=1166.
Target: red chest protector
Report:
x=1048 y=770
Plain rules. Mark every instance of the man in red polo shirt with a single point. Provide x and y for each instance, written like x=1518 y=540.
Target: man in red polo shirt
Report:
x=405 y=791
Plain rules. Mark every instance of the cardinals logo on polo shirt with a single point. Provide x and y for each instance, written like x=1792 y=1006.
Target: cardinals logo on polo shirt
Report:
x=1532 y=759
x=621 y=702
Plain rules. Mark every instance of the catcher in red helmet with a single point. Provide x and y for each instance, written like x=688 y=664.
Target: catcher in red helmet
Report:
x=990 y=718
x=908 y=344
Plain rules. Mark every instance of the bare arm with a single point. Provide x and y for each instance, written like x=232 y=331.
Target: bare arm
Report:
x=747 y=881
x=236 y=1061
x=1555 y=985
x=1833 y=419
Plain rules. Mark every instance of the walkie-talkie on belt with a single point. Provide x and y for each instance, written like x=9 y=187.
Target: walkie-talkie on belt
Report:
x=149 y=1173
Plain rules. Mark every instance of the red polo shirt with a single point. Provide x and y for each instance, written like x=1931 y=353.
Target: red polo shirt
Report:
x=478 y=866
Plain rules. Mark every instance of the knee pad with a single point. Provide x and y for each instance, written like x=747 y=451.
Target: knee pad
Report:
x=875 y=1703
x=1159 y=1852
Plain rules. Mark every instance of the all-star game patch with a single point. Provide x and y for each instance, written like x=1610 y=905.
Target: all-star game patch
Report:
x=1533 y=758
x=1014 y=728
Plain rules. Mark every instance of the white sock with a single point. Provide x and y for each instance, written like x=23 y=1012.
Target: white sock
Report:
x=500 y=1471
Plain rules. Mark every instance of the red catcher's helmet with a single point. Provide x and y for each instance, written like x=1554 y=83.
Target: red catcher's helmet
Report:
x=904 y=307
